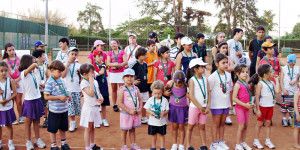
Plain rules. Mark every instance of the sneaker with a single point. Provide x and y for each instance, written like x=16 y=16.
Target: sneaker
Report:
x=55 y=148
x=95 y=147
x=15 y=122
x=246 y=146
x=203 y=148
x=39 y=143
x=174 y=147
x=223 y=145
x=257 y=145
x=144 y=120
x=191 y=148
x=98 y=126
x=181 y=147
x=124 y=147
x=290 y=122
x=45 y=124
x=269 y=144
x=105 y=123
x=135 y=147
x=284 y=123
x=65 y=147
x=10 y=146
x=115 y=107
x=29 y=146
x=228 y=121
x=215 y=146
x=239 y=147
x=21 y=120
x=72 y=126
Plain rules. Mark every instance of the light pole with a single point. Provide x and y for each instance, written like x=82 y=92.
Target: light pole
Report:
x=279 y=28
x=46 y=26
x=109 y=21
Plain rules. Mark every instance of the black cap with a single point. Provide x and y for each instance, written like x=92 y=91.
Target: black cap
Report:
x=260 y=28
x=152 y=35
x=200 y=35
x=179 y=35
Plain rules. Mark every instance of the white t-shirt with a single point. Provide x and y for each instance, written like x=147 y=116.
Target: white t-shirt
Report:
x=73 y=86
x=198 y=93
x=38 y=73
x=47 y=59
x=266 y=97
x=219 y=100
x=10 y=104
x=132 y=58
x=287 y=78
x=89 y=101
x=232 y=48
x=174 y=52
x=62 y=56
x=30 y=90
x=164 y=106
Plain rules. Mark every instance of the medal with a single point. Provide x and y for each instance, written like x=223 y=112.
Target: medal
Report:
x=271 y=89
x=42 y=82
x=177 y=100
x=71 y=80
x=274 y=101
x=204 y=101
x=134 y=101
x=202 y=91
x=72 y=72
x=165 y=70
x=103 y=80
x=165 y=78
x=145 y=78
x=12 y=71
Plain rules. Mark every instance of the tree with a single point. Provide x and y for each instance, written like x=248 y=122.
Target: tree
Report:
x=296 y=31
x=91 y=17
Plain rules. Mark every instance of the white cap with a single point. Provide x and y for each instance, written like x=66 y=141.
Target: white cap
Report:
x=197 y=61
x=186 y=41
x=132 y=34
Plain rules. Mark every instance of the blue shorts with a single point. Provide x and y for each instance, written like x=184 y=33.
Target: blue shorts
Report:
x=57 y=121
x=296 y=124
x=220 y=111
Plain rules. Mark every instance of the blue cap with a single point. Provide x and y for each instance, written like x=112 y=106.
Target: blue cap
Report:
x=128 y=72
x=291 y=58
x=39 y=43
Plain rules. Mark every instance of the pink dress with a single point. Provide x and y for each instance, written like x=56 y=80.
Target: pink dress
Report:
x=160 y=71
x=242 y=113
x=15 y=73
x=113 y=60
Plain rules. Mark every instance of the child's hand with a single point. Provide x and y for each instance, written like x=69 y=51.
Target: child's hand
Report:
x=69 y=97
x=258 y=113
x=152 y=113
x=100 y=100
x=285 y=92
x=162 y=114
x=137 y=82
x=17 y=85
x=202 y=110
x=63 y=98
x=248 y=105
x=36 y=65
x=168 y=92
x=91 y=78
x=132 y=112
x=207 y=110
x=138 y=111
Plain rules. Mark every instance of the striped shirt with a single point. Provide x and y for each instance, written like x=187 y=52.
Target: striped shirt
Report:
x=174 y=52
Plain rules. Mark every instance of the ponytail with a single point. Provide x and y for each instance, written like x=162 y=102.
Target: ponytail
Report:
x=180 y=50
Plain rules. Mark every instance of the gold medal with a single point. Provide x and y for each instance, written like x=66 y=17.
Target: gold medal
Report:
x=204 y=101
x=274 y=101
x=12 y=71
x=103 y=80
x=177 y=100
x=165 y=78
x=71 y=80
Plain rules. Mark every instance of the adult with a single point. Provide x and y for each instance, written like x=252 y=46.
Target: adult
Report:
x=98 y=44
x=41 y=45
x=235 y=48
x=220 y=37
x=153 y=36
x=174 y=50
x=131 y=48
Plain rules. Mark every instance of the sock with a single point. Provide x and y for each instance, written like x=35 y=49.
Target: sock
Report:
x=53 y=144
x=63 y=142
x=283 y=118
x=256 y=140
x=268 y=140
x=9 y=142
x=180 y=145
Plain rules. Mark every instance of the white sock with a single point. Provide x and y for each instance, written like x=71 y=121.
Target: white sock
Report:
x=256 y=140
x=180 y=145
x=268 y=140
x=10 y=142
x=283 y=118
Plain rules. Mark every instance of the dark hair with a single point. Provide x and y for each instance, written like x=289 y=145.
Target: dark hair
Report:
x=38 y=53
x=261 y=71
x=154 y=35
x=3 y=64
x=200 y=35
x=162 y=50
x=216 y=38
x=179 y=35
x=85 y=68
x=25 y=62
x=7 y=45
x=190 y=72
x=63 y=40
x=238 y=69
x=150 y=42
x=141 y=51
x=217 y=59
x=57 y=65
x=117 y=41
x=221 y=44
x=179 y=77
x=267 y=37
x=179 y=51
x=237 y=30
x=260 y=28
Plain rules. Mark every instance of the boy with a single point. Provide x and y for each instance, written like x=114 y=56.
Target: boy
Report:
x=200 y=48
x=41 y=77
x=254 y=47
x=288 y=83
x=56 y=93
x=174 y=50
x=62 y=54
x=140 y=69
x=235 y=47
x=152 y=57
x=71 y=78
x=100 y=66
x=41 y=45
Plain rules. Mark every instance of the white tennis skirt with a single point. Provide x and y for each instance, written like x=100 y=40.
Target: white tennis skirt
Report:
x=21 y=88
x=115 y=77
x=90 y=114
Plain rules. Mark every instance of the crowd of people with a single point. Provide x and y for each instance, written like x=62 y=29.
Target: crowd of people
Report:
x=175 y=83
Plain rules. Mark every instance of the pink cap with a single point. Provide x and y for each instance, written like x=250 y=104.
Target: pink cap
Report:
x=99 y=42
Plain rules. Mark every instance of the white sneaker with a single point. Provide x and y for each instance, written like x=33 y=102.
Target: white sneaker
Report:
x=174 y=147
x=223 y=145
x=39 y=143
x=105 y=123
x=215 y=146
x=246 y=146
x=239 y=147
x=10 y=146
x=72 y=126
x=98 y=126
x=15 y=122
x=181 y=147
x=257 y=145
x=29 y=146
x=21 y=120
x=269 y=144
x=144 y=120
x=228 y=121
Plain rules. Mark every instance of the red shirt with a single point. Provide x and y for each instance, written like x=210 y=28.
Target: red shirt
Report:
x=275 y=66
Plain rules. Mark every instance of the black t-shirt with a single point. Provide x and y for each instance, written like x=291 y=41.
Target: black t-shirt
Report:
x=254 y=47
x=200 y=50
x=141 y=72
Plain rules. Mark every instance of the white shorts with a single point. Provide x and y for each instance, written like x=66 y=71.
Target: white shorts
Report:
x=21 y=88
x=115 y=77
x=145 y=96
x=90 y=114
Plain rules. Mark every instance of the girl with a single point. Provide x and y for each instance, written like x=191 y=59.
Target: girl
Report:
x=131 y=48
x=33 y=108
x=7 y=114
x=297 y=115
x=13 y=61
x=90 y=116
x=223 y=49
x=200 y=100
x=220 y=37
x=242 y=97
x=129 y=100
x=178 y=107
x=164 y=69
x=265 y=101
x=116 y=60
x=220 y=86
x=98 y=44
x=185 y=54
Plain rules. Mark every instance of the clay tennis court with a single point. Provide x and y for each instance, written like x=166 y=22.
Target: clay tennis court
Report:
x=110 y=137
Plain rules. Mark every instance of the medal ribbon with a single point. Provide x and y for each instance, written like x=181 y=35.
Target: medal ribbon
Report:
x=291 y=75
x=72 y=72
x=12 y=66
x=95 y=91
x=248 y=89
x=116 y=58
x=34 y=80
x=190 y=58
x=272 y=90
x=267 y=59
x=202 y=91
x=165 y=71
x=134 y=102
x=223 y=88
x=42 y=74
x=62 y=88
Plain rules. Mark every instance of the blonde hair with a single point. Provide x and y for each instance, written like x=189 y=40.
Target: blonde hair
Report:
x=159 y=85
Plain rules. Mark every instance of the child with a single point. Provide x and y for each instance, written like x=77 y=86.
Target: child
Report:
x=185 y=54
x=220 y=86
x=164 y=69
x=288 y=80
x=200 y=100
x=152 y=57
x=100 y=66
x=8 y=93
x=13 y=61
x=254 y=47
x=57 y=94
x=90 y=116
x=158 y=107
x=220 y=37
x=199 y=48
x=222 y=48
x=265 y=101
x=32 y=108
x=178 y=107
x=62 y=54
x=242 y=97
x=297 y=115
x=130 y=102
x=41 y=77
x=140 y=67
x=174 y=50
x=71 y=78
x=235 y=47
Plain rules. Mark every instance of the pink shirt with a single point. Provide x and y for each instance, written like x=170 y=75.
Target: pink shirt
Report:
x=14 y=73
x=113 y=60
x=93 y=60
x=243 y=95
x=127 y=100
x=160 y=71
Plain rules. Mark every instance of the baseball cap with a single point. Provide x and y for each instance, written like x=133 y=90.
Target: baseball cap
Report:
x=128 y=71
x=268 y=44
x=186 y=41
x=39 y=43
x=99 y=42
x=73 y=49
x=291 y=58
x=97 y=52
x=132 y=34
x=197 y=61
x=152 y=35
